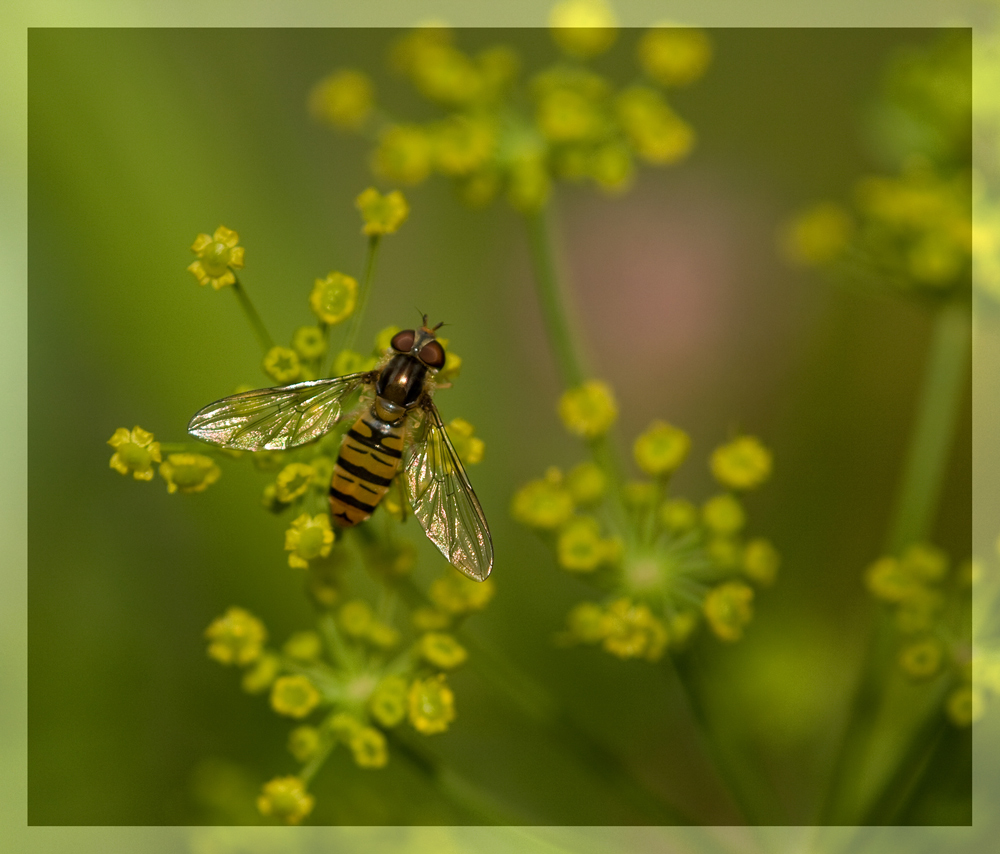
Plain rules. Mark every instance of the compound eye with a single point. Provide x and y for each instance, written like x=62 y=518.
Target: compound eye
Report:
x=402 y=342
x=432 y=355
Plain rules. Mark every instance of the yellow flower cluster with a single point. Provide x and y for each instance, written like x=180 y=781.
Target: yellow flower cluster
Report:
x=930 y=604
x=502 y=135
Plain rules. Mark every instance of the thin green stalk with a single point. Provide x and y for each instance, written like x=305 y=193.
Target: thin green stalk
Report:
x=266 y=341
x=554 y=302
x=946 y=378
x=364 y=292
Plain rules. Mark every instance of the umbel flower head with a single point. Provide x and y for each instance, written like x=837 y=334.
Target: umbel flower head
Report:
x=498 y=133
x=661 y=564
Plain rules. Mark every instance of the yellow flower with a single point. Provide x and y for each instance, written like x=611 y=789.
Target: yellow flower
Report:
x=217 y=255
x=728 y=609
x=965 y=705
x=349 y=362
x=470 y=448
x=189 y=472
x=454 y=593
x=566 y=114
x=761 y=561
x=135 y=452
x=925 y=562
x=403 y=154
x=293 y=481
x=661 y=449
x=724 y=552
x=309 y=342
x=583 y=28
x=630 y=630
x=610 y=167
x=588 y=410
x=308 y=538
x=656 y=132
x=544 y=503
x=586 y=622
x=723 y=514
x=355 y=618
x=586 y=483
x=431 y=705
x=237 y=637
x=294 y=696
x=304 y=742
x=817 y=236
x=744 y=463
x=286 y=799
x=382 y=635
x=922 y=659
x=261 y=676
x=369 y=748
x=441 y=650
x=387 y=703
x=344 y=99
x=889 y=580
x=580 y=547
x=282 y=364
x=303 y=646
x=674 y=56
x=438 y=69
x=463 y=144
x=429 y=619
x=678 y=514
x=333 y=298
x=382 y=214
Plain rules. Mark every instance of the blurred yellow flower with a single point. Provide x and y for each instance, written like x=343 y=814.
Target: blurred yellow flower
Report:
x=544 y=503
x=382 y=214
x=135 y=452
x=294 y=696
x=218 y=255
x=673 y=55
x=189 y=472
x=333 y=298
x=728 y=609
x=403 y=155
x=237 y=637
x=469 y=448
x=743 y=463
x=286 y=799
x=583 y=28
x=661 y=449
x=431 y=705
x=588 y=410
x=817 y=236
x=344 y=99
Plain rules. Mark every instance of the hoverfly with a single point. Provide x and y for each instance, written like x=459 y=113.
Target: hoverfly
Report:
x=397 y=426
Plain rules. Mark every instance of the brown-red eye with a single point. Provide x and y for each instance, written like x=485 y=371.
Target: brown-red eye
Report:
x=403 y=341
x=432 y=355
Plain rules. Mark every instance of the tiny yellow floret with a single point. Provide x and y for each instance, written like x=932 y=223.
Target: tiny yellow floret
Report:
x=303 y=646
x=218 y=255
x=816 y=236
x=403 y=155
x=286 y=799
x=387 y=703
x=661 y=449
x=630 y=630
x=921 y=659
x=583 y=28
x=586 y=622
x=135 y=452
x=369 y=748
x=588 y=410
x=580 y=547
x=304 y=742
x=293 y=481
x=470 y=448
x=761 y=561
x=743 y=463
x=454 y=593
x=723 y=514
x=355 y=618
x=333 y=299
x=237 y=637
x=728 y=609
x=282 y=365
x=431 y=705
x=344 y=99
x=261 y=675
x=382 y=214
x=965 y=705
x=673 y=55
x=678 y=515
x=441 y=650
x=294 y=696
x=309 y=342
x=586 y=483
x=308 y=538
x=543 y=503
x=189 y=473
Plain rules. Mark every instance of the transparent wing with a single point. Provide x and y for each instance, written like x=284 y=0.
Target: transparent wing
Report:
x=273 y=419
x=443 y=501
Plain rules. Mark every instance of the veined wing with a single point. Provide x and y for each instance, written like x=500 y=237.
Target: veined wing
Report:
x=274 y=419
x=443 y=501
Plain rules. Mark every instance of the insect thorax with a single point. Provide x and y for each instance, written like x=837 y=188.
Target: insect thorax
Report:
x=401 y=383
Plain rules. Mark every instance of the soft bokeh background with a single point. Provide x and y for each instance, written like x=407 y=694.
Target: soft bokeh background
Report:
x=140 y=139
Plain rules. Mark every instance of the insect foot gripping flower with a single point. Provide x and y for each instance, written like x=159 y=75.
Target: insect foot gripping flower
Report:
x=218 y=255
x=662 y=565
x=135 y=452
x=931 y=605
x=513 y=136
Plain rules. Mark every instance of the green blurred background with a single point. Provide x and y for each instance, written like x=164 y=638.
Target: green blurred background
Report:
x=139 y=139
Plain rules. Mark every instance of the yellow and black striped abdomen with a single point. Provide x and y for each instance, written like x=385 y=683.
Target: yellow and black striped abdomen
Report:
x=369 y=459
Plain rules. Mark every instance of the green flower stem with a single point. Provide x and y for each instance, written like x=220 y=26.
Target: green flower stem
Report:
x=359 y=310
x=554 y=301
x=266 y=341
x=757 y=803
x=946 y=379
x=339 y=651
x=313 y=765
x=484 y=807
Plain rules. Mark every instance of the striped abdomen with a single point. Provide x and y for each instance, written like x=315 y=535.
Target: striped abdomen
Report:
x=369 y=458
